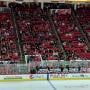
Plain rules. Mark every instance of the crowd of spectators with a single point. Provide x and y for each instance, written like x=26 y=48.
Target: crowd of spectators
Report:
x=37 y=36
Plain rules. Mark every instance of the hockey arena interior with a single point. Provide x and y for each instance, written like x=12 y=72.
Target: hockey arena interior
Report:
x=44 y=44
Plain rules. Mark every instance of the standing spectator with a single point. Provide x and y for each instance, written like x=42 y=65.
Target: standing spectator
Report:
x=79 y=68
x=67 y=67
x=48 y=68
x=62 y=68
x=37 y=69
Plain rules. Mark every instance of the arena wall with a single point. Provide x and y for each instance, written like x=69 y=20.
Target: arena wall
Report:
x=31 y=77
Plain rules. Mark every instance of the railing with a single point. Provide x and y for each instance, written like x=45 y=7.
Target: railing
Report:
x=72 y=67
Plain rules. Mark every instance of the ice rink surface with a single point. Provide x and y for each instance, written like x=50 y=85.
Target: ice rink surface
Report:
x=47 y=85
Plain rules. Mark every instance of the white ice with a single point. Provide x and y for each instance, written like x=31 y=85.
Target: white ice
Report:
x=47 y=85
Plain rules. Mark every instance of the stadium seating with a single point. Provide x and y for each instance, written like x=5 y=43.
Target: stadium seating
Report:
x=37 y=37
x=36 y=34
x=72 y=39
x=83 y=15
x=8 y=38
